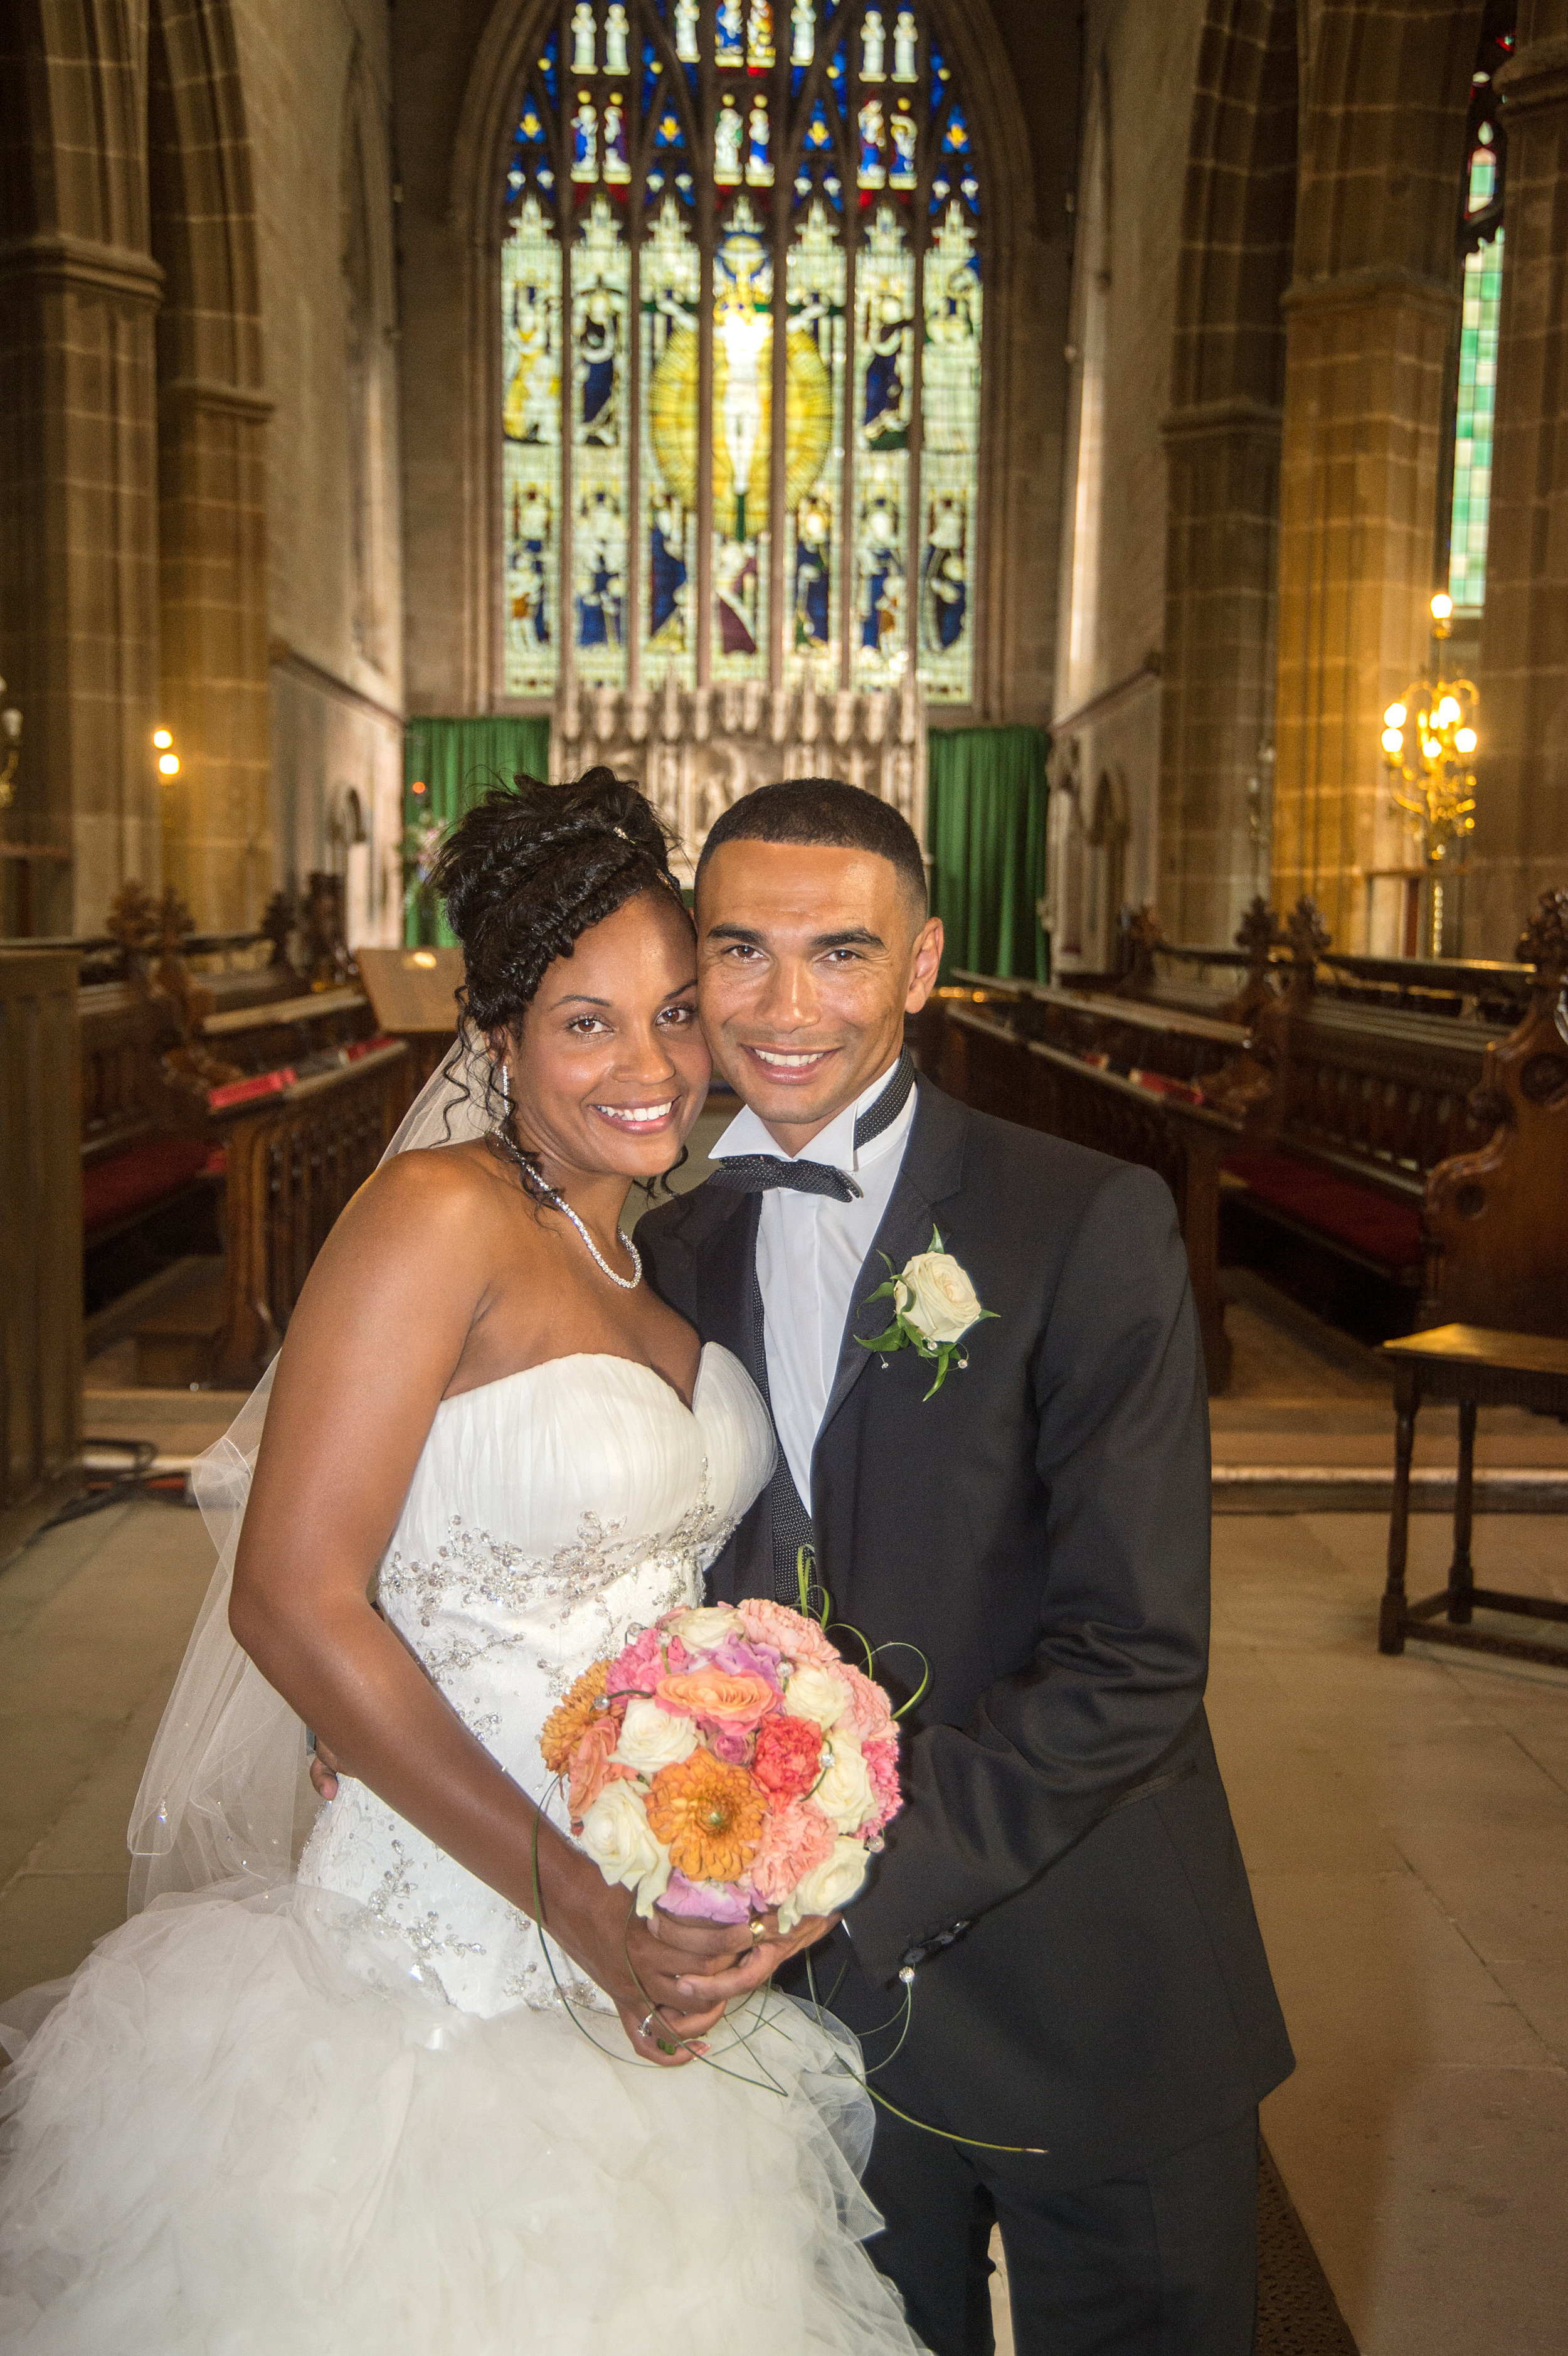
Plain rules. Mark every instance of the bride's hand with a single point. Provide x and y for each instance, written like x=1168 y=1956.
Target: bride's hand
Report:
x=770 y=1947
x=325 y=1767
x=669 y=2043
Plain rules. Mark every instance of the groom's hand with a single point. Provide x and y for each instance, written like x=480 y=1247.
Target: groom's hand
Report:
x=768 y=1953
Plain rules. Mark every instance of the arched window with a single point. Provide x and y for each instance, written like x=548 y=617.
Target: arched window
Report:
x=1481 y=251
x=685 y=495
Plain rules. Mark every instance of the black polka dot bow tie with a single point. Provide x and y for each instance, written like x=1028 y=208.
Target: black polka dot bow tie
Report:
x=758 y=1173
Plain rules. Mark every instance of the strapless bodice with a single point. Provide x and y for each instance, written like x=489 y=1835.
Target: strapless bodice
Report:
x=549 y=1515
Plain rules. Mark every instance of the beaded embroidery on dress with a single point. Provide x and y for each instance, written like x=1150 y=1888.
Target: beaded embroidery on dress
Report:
x=352 y=2111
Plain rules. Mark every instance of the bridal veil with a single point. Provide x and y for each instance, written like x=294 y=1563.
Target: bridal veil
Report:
x=226 y=1784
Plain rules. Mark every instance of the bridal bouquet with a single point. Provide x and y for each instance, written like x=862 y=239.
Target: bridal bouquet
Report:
x=725 y=1763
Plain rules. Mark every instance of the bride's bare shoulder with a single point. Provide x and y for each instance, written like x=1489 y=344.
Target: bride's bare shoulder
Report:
x=443 y=1188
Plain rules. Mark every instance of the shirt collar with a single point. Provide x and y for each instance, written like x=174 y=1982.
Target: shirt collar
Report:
x=834 y=1145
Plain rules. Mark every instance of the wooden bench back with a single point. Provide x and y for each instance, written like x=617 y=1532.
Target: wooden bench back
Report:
x=291 y=1171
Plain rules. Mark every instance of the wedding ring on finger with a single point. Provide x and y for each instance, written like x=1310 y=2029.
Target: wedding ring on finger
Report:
x=645 y=2025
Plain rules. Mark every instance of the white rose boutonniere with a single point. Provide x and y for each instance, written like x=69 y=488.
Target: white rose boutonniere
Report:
x=935 y=1305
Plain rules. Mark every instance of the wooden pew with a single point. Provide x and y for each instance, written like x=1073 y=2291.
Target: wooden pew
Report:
x=1497 y=1218
x=293 y=1161
x=174 y=1051
x=1392 y=1137
x=40 y=1251
x=1176 y=1093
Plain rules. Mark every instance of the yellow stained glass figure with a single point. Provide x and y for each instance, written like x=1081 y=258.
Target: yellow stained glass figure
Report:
x=743 y=400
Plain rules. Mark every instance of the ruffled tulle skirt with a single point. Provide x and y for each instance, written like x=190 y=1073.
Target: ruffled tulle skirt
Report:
x=253 y=2127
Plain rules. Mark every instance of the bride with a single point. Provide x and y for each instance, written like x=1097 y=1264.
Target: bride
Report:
x=367 y=2103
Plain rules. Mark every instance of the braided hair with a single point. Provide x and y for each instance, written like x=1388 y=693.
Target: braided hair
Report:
x=524 y=874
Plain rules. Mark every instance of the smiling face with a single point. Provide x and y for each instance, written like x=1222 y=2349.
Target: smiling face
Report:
x=810 y=958
x=608 y=1070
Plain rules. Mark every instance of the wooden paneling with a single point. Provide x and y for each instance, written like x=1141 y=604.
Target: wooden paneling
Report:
x=40 y=1221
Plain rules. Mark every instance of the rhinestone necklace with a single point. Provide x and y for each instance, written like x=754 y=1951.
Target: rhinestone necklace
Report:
x=555 y=1201
x=627 y=1283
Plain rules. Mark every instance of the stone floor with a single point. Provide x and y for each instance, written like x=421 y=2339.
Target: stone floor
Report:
x=1405 y=1822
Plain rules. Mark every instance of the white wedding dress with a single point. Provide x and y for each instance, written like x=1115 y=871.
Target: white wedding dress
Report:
x=353 y=2113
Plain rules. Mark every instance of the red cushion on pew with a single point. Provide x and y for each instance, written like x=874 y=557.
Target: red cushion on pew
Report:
x=1370 y=1222
x=133 y=1181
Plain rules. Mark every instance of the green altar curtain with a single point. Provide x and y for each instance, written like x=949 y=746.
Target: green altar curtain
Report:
x=455 y=763
x=985 y=830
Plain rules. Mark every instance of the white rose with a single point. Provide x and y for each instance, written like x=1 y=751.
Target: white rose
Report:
x=845 y=1793
x=936 y=1297
x=652 y=1738
x=827 y=1886
x=707 y=1625
x=814 y=1693
x=615 y=1835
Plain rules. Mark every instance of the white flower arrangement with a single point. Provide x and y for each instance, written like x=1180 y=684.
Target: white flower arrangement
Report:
x=934 y=1306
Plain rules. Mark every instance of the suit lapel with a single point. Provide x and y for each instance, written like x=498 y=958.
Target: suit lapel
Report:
x=731 y=1303
x=933 y=1170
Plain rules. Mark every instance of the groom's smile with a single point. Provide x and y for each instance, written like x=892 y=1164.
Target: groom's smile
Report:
x=809 y=957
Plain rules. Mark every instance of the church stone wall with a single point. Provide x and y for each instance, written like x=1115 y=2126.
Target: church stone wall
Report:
x=318 y=82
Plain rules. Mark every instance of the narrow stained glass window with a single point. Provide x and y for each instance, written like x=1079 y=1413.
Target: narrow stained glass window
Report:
x=741 y=315
x=1481 y=248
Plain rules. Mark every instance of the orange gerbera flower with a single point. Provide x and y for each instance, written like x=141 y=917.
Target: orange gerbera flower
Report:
x=565 y=1727
x=709 y=1816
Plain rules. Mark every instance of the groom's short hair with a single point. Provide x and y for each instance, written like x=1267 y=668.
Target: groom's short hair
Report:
x=825 y=812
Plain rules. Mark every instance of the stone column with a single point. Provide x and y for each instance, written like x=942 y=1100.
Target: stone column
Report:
x=1363 y=435
x=214 y=682
x=78 y=620
x=1217 y=700
x=1370 y=317
x=1521 y=844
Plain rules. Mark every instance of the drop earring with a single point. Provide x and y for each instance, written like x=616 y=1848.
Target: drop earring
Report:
x=506 y=1087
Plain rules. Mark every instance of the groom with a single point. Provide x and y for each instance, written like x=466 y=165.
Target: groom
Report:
x=1090 y=2020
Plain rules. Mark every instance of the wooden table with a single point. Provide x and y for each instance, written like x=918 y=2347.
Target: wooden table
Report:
x=1476 y=1368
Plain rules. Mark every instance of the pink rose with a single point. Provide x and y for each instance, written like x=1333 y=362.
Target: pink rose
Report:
x=590 y=1767
x=794 y=1839
x=869 y=1706
x=797 y=1638
x=706 y=1901
x=881 y=1759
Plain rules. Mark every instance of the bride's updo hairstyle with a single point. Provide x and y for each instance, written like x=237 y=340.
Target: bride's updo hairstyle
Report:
x=530 y=869
x=524 y=874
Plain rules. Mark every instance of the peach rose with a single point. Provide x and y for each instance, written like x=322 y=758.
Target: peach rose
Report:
x=794 y=1839
x=591 y=1767
x=719 y=1695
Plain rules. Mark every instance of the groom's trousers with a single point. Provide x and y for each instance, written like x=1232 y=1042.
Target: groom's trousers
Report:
x=1163 y=2263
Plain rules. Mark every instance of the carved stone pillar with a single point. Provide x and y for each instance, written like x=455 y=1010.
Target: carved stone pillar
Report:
x=1364 y=433
x=215 y=690
x=1521 y=843
x=79 y=616
x=1217 y=700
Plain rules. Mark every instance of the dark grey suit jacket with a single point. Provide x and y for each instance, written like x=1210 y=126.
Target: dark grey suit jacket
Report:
x=1039 y=1531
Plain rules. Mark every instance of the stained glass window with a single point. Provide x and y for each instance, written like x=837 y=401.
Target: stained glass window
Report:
x=684 y=492
x=1481 y=248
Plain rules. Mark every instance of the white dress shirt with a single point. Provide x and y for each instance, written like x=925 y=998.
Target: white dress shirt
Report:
x=810 y=1251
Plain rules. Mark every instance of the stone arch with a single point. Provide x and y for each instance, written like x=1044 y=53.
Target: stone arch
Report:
x=1012 y=378
x=1222 y=444
x=212 y=414
x=1371 y=310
